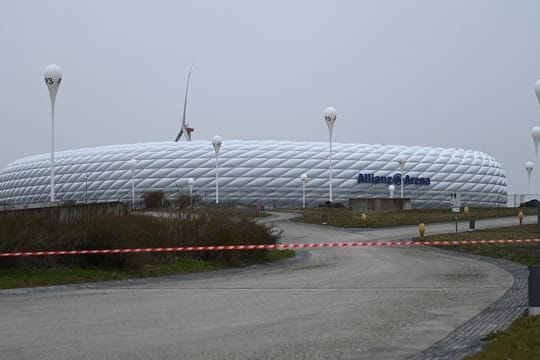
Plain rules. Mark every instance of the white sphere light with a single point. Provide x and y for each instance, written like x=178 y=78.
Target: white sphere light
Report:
x=53 y=78
x=190 y=181
x=529 y=167
x=391 y=187
x=330 y=115
x=132 y=164
x=537 y=90
x=304 y=177
x=535 y=133
x=216 y=142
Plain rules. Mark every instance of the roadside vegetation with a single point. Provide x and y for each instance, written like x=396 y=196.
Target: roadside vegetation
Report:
x=84 y=228
x=345 y=217
x=520 y=342
x=526 y=254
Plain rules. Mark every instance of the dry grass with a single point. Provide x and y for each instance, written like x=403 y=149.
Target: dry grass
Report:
x=376 y=219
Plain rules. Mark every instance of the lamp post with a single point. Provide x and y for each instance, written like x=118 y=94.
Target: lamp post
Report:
x=402 y=162
x=85 y=187
x=529 y=167
x=216 y=143
x=53 y=78
x=190 y=183
x=304 y=179
x=133 y=167
x=330 y=115
x=391 y=189
x=535 y=134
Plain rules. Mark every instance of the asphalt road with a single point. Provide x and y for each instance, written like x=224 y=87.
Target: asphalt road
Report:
x=352 y=303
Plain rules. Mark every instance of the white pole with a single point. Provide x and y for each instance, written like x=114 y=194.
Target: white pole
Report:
x=330 y=115
x=401 y=161
x=330 y=166
x=53 y=78
x=217 y=180
x=216 y=143
x=133 y=189
x=133 y=166
x=304 y=179
x=190 y=182
x=303 y=195
x=52 y=153
x=401 y=180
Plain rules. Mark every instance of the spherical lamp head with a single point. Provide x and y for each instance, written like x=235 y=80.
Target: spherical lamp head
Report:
x=391 y=188
x=529 y=167
x=303 y=177
x=330 y=115
x=216 y=142
x=132 y=164
x=53 y=78
x=535 y=134
x=537 y=90
x=190 y=181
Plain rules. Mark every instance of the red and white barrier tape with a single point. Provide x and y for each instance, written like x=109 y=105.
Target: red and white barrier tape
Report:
x=266 y=247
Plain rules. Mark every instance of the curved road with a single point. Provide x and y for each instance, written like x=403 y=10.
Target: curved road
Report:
x=351 y=303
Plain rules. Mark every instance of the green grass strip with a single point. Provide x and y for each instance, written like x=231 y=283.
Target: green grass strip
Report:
x=520 y=342
x=18 y=278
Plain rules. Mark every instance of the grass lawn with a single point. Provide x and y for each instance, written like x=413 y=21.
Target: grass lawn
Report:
x=520 y=342
x=526 y=254
x=375 y=219
x=17 y=278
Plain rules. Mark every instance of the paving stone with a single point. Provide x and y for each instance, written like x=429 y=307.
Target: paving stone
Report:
x=467 y=339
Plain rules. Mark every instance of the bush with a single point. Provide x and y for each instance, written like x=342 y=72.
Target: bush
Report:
x=29 y=231
x=184 y=201
x=154 y=199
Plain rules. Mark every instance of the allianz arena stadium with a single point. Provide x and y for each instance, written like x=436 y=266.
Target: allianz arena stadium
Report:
x=259 y=173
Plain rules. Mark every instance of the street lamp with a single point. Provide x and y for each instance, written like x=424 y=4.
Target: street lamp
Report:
x=402 y=160
x=216 y=142
x=53 y=78
x=391 y=189
x=330 y=115
x=85 y=187
x=133 y=166
x=529 y=167
x=190 y=183
x=535 y=134
x=304 y=179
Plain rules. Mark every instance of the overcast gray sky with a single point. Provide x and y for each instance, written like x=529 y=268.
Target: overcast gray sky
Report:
x=435 y=73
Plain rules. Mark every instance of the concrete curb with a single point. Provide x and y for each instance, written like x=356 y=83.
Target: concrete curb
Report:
x=467 y=339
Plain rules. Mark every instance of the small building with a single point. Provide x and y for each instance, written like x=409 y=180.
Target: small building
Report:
x=362 y=204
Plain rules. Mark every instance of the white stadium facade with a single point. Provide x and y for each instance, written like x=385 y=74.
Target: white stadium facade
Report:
x=259 y=173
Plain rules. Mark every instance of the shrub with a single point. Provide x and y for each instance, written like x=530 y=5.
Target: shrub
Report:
x=154 y=199
x=41 y=231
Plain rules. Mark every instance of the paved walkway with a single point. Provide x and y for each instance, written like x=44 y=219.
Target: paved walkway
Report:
x=468 y=338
